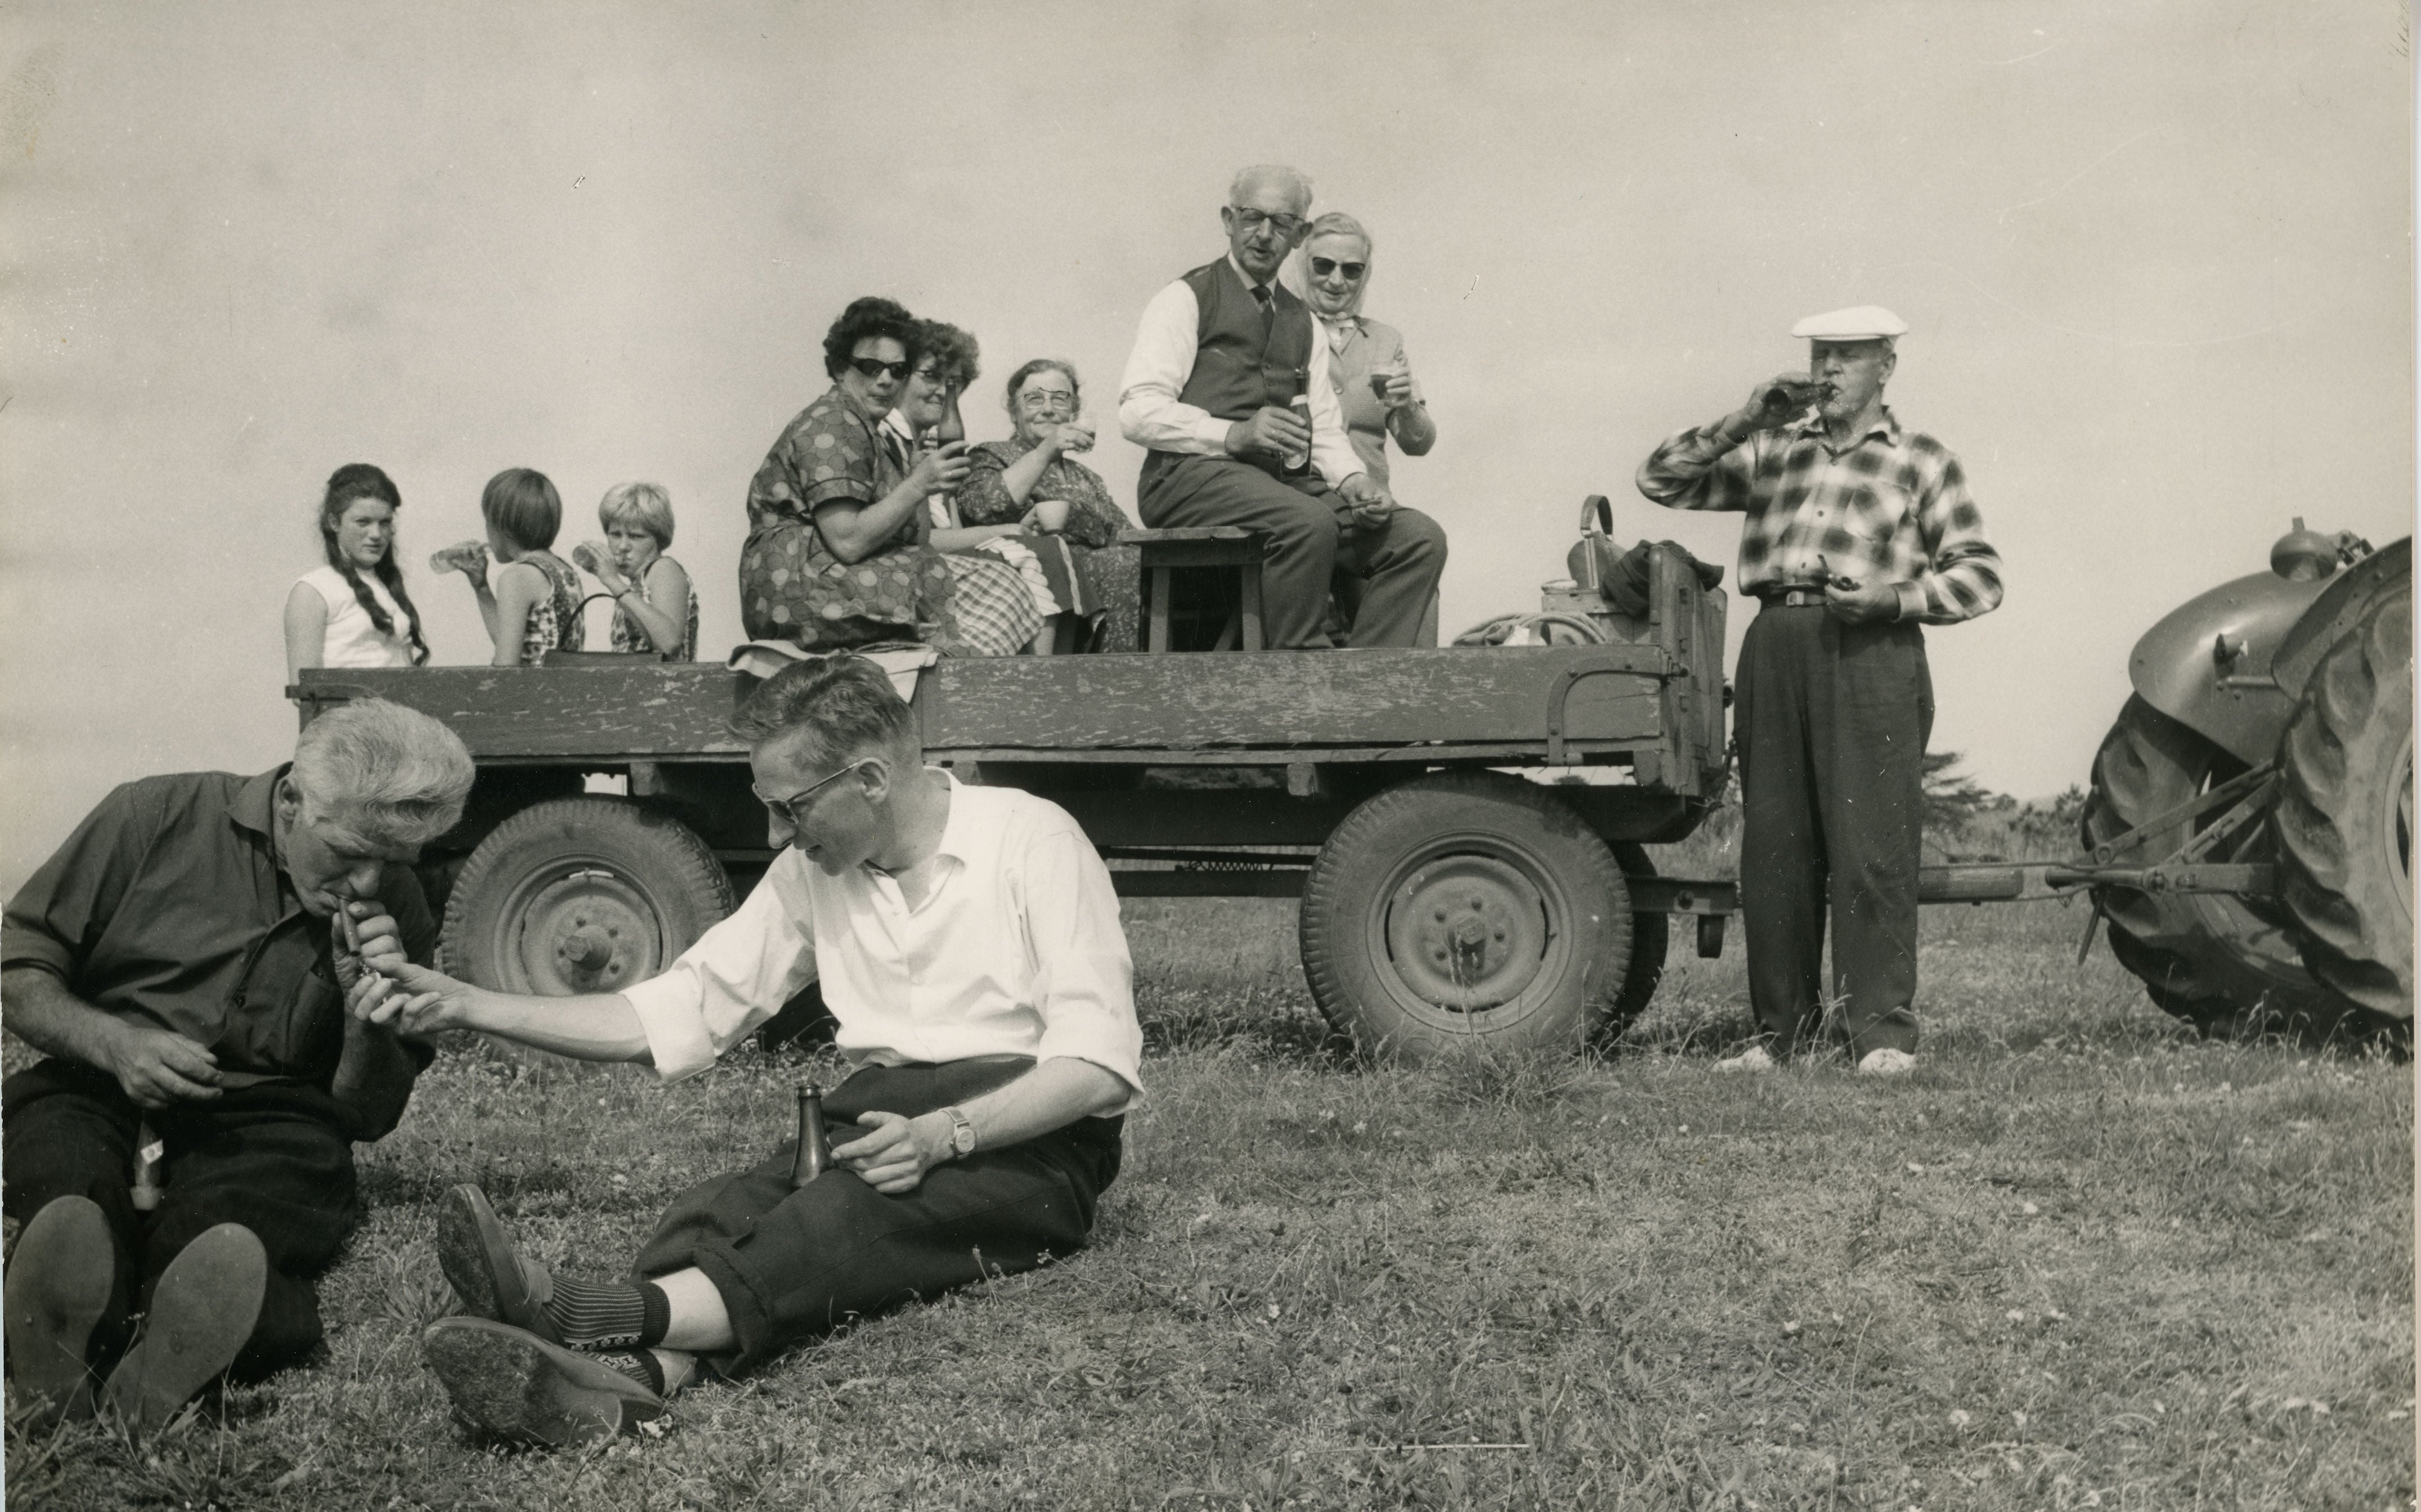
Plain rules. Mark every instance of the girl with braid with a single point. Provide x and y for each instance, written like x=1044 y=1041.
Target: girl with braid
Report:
x=354 y=612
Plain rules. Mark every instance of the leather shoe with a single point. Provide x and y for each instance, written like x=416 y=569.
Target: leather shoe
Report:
x=202 y=1313
x=484 y=1270
x=57 y=1289
x=511 y=1384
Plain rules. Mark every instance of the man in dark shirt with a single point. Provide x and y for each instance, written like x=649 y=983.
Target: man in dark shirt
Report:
x=186 y=961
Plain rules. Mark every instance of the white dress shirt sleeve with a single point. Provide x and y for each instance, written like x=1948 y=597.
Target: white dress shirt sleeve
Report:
x=1084 y=985
x=1332 y=450
x=1150 y=415
x=738 y=975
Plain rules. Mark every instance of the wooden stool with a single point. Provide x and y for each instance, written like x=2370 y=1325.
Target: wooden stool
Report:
x=1212 y=546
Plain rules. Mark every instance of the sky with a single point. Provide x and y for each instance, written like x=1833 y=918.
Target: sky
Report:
x=2155 y=256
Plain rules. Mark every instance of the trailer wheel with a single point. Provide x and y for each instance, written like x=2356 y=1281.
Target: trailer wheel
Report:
x=1651 y=940
x=2206 y=958
x=581 y=895
x=1461 y=911
x=2344 y=821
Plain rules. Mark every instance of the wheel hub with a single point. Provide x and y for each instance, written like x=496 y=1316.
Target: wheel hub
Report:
x=588 y=931
x=1467 y=932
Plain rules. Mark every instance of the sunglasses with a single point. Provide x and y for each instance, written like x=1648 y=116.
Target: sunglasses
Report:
x=790 y=810
x=1322 y=267
x=876 y=367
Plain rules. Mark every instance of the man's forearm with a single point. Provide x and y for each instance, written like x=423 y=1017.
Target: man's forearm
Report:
x=1051 y=1096
x=598 y=1026
x=40 y=1010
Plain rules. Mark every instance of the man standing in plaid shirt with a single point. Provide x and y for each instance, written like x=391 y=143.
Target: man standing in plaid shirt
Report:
x=1859 y=533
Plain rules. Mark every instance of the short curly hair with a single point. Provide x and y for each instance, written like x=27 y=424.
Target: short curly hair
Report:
x=841 y=706
x=867 y=318
x=953 y=350
x=1043 y=365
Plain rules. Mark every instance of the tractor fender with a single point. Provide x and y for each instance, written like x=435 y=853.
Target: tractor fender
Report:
x=2345 y=602
x=2176 y=669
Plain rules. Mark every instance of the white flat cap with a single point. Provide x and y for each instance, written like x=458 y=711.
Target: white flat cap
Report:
x=1859 y=322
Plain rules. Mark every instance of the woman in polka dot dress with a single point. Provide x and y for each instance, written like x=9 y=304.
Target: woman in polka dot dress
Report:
x=832 y=559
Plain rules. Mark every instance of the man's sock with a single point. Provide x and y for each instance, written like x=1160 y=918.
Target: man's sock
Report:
x=639 y=1364
x=608 y=1315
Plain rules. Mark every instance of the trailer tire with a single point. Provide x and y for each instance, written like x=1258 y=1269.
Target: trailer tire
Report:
x=1464 y=912
x=1652 y=941
x=581 y=895
x=2344 y=821
x=2206 y=958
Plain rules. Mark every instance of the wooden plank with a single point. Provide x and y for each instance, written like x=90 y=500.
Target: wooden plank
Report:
x=1287 y=883
x=636 y=711
x=1360 y=697
x=1480 y=753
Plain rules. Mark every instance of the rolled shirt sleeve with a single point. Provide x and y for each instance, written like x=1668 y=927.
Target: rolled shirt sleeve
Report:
x=1083 y=976
x=738 y=975
x=1150 y=415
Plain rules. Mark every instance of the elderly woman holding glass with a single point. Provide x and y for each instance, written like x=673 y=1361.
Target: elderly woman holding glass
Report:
x=1031 y=479
x=1365 y=358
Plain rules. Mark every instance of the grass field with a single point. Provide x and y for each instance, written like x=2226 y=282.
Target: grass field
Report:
x=2078 y=1259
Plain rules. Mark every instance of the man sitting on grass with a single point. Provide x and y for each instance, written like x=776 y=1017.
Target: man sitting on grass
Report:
x=185 y=960
x=968 y=943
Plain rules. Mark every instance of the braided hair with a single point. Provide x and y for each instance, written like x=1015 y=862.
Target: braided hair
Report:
x=360 y=480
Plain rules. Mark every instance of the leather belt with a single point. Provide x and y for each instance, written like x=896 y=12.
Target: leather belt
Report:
x=1791 y=597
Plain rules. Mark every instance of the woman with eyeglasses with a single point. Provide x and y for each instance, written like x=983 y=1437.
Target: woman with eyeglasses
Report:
x=1365 y=358
x=834 y=556
x=1002 y=600
x=1032 y=482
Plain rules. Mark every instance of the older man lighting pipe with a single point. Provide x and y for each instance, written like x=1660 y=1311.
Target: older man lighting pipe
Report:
x=1221 y=355
x=185 y=960
x=968 y=943
x=1859 y=533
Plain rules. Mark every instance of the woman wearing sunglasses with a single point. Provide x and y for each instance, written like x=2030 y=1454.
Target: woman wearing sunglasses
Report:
x=834 y=556
x=1366 y=359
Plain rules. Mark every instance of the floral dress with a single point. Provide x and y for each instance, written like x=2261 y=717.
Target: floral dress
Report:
x=794 y=588
x=630 y=635
x=1098 y=579
x=554 y=622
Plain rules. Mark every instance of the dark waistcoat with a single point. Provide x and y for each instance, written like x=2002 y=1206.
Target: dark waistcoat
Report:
x=1246 y=354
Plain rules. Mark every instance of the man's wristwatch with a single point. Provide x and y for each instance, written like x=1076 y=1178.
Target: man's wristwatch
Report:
x=962 y=1134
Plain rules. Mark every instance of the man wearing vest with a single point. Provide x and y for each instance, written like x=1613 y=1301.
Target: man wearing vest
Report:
x=1222 y=355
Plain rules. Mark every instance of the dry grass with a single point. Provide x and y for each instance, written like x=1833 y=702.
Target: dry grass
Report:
x=2078 y=1259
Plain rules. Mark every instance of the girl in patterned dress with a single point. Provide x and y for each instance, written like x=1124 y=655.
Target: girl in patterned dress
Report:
x=833 y=558
x=655 y=608
x=535 y=606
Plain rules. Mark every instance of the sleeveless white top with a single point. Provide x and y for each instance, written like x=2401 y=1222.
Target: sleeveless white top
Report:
x=353 y=640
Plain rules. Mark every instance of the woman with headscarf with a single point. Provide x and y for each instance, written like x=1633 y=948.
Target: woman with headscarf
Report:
x=1031 y=479
x=1365 y=358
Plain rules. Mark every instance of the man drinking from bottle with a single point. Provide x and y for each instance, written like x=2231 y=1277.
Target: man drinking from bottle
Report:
x=1228 y=388
x=968 y=945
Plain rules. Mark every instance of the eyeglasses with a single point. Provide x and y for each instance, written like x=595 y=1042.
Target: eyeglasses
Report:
x=1322 y=267
x=876 y=367
x=790 y=810
x=1045 y=402
x=1249 y=221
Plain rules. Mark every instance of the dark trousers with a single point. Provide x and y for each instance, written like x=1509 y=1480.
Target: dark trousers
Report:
x=1833 y=720
x=1312 y=541
x=792 y=1265
x=274 y=1159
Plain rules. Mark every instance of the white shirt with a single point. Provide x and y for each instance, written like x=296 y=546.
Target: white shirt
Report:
x=1015 y=951
x=352 y=639
x=1153 y=417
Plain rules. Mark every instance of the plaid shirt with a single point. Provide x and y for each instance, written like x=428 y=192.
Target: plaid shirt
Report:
x=1894 y=504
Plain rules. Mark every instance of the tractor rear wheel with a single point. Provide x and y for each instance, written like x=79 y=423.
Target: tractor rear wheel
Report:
x=2344 y=821
x=1465 y=911
x=581 y=895
x=2206 y=958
